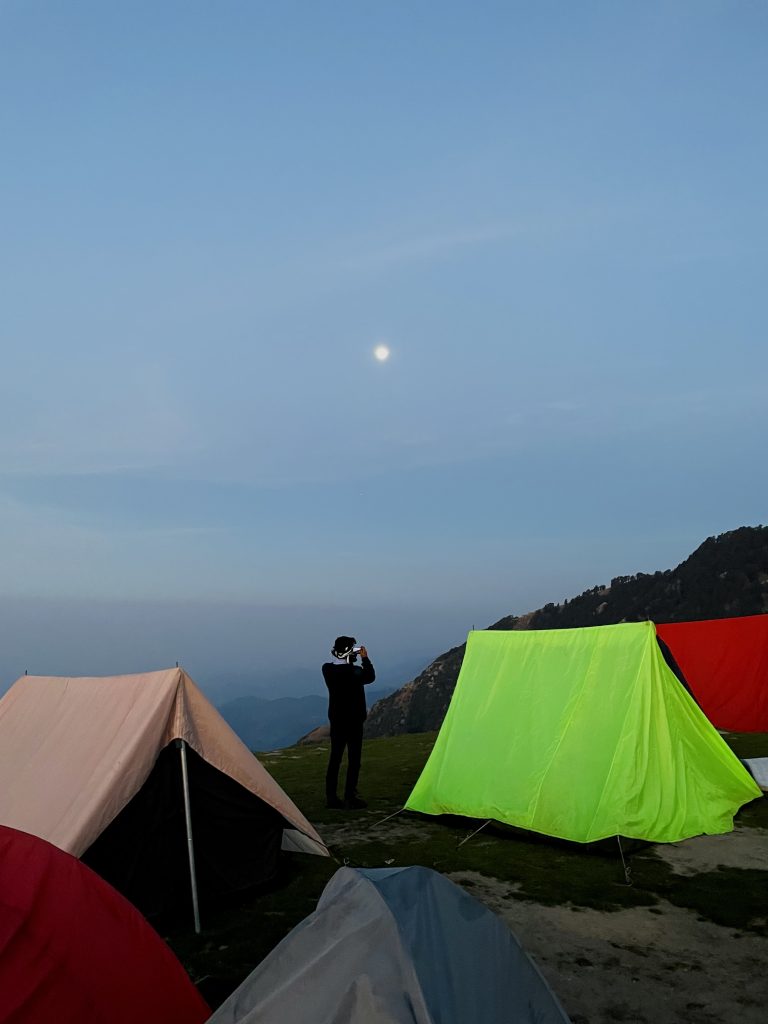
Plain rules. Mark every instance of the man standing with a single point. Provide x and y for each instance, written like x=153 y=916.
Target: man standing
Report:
x=347 y=713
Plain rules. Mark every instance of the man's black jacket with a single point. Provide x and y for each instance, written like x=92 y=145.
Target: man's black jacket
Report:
x=346 y=696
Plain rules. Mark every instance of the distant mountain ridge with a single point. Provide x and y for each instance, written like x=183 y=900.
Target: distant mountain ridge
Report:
x=264 y=724
x=300 y=682
x=725 y=576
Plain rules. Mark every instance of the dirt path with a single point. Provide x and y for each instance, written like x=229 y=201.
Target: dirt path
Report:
x=660 y=965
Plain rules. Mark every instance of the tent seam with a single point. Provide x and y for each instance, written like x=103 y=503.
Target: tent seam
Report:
x=403 y=946
x=560 y=741
x=616 y=748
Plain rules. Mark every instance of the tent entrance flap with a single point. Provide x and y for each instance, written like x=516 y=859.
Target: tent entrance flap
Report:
x=144 y=852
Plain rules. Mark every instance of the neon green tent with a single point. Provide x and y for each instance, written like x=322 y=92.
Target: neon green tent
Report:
x=581 y=734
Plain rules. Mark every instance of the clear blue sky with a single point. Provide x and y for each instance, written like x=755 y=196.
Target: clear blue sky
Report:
x=210 y=213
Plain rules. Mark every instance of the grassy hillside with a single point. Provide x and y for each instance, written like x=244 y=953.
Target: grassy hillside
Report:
x=533 y=868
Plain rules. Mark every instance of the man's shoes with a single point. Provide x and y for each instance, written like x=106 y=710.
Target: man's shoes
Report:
x=333 y=802
x=354 y=803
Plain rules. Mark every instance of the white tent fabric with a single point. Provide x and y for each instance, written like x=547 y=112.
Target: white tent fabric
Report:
x=395 y=946
x=758 y=766
x=74 y=751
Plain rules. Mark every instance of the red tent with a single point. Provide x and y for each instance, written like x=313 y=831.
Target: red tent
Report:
x=725 y=662
x=74 y=951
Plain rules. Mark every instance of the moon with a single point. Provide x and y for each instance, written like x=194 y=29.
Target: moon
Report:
x=381 y=352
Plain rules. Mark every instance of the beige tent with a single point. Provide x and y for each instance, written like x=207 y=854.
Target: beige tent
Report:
x=90 y=764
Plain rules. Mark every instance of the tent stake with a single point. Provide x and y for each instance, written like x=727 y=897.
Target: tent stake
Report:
x=467 y=838
x=627 y=871
x=190 y=847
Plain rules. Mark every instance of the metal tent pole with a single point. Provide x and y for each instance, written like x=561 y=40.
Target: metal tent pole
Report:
x=190 y=846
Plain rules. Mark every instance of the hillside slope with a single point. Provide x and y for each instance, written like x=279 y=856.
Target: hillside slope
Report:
x=726 y=576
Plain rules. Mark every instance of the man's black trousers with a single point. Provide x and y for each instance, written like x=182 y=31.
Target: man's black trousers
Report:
x=347 y=735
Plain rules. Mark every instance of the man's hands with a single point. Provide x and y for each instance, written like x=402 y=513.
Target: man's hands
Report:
x=363 y=652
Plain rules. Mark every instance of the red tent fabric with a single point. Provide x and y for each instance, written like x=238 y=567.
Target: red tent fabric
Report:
x=74 y=951
x=725 y=662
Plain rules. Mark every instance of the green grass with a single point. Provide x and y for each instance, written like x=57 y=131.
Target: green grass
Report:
x=747 y=744
x=536 y=868
x=750 y=744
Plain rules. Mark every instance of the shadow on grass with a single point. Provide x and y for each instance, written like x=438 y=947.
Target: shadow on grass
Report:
x=237 y=933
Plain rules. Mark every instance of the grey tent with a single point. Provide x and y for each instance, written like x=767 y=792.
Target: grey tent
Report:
x=395 y=946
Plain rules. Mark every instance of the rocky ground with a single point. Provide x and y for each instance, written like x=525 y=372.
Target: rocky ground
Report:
x=651 y=965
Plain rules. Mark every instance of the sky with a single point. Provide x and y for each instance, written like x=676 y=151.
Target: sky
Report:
x=553 y=214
